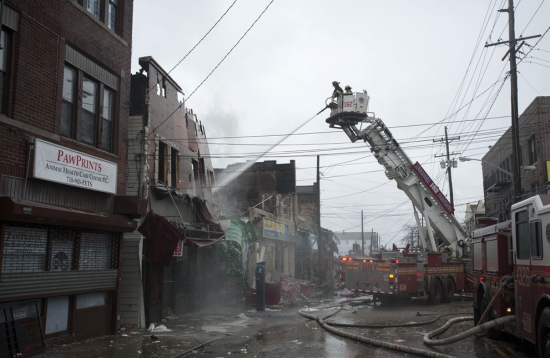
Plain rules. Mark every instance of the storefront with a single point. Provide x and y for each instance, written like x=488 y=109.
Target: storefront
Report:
x=59 y=250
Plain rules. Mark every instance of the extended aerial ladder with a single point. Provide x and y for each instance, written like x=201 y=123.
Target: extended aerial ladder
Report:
x=350 y=113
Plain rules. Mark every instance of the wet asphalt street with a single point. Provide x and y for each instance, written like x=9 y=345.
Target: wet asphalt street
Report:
x=283 y=332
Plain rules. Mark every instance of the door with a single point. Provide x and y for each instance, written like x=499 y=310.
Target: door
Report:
x=522 y=276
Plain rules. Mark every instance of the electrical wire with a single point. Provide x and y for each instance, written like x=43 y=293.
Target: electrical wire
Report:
x=216 y=67
x=187 y=54
x=231 y=50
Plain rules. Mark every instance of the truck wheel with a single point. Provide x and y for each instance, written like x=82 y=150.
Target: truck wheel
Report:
x=543 y=334
x=492 y=333
x=448 y=290
x=435 y=292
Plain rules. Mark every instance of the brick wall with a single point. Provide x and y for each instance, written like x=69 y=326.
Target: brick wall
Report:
x=45 y=28
x=534 y=122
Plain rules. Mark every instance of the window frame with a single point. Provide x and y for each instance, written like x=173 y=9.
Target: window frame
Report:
x=104 y=12
x=168 y=164
x=78 y=110
x=6 y=103
x=535 y=228
x=522 y=235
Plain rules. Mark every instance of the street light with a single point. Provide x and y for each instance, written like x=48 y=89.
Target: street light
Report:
x=465 y=159
x=525 y=168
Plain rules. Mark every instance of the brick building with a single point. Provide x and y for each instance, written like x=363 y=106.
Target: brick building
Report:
x=534 y=141
x=65 y=82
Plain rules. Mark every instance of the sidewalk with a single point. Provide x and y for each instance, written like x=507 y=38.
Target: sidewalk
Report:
x=231 y=326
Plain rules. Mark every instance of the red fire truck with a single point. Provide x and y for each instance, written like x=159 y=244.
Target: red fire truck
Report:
x=516 y=256
x=438 y=271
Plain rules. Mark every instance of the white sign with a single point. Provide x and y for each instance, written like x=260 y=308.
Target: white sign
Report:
x=66 y=166
x=348 y=103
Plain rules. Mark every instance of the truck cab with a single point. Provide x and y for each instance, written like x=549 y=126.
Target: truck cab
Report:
x=531 y=254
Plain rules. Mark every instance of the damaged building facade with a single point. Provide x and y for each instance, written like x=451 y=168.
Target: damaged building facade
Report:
x=168 y=265
x=284 y=218
x=65 y=84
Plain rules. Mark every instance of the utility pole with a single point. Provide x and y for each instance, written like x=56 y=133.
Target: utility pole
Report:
x=320 y=240
x=516 y=170
x=362 y=235
x=449 y=164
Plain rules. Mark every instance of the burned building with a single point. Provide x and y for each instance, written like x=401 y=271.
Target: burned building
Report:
x=283 y=215
x=168 y=265
x=265 y=194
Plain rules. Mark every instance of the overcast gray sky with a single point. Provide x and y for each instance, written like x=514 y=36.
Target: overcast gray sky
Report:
x=423 y=64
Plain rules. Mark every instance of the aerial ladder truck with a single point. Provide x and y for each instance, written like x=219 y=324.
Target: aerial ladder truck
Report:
x=437 y=271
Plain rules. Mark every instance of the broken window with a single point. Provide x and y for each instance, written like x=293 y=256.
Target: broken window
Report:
x=197 y=179
x=174 y=168
x=162 y=172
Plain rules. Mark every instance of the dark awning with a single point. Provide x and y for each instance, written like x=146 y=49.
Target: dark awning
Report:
x=165 y=235
x=21 y=210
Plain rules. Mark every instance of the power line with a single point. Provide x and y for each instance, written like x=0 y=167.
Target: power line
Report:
x=219 y=63
x=231 y=50
x=184 y=57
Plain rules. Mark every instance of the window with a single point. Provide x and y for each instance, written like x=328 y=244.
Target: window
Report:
x=89 y=116
x=68 y=102
x=88 y=128
x=536 y=239
x=162 y=172
x=103 y=10
x=31 y=249
x=4 y=71
x=93 y=7
x=168 y=160
x=174 y=168
x=532 y=151
x=107 y=120
x=522 y=236
x=111 y=18
x=94 y=299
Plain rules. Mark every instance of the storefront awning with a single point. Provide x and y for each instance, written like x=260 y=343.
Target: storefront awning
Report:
x=21 y=210
x=166 y=234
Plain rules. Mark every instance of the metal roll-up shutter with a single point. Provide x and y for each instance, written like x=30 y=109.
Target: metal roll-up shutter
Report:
x=17 y=286
x=44 y=260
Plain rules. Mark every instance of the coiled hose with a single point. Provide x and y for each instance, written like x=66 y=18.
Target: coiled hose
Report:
x=374 y=342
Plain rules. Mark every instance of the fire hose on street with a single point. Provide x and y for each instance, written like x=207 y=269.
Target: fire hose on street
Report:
x=478 y=329
x=374 y=342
